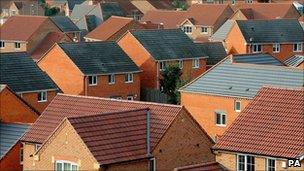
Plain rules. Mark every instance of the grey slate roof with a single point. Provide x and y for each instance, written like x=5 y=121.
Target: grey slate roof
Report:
x=99 y=57
x=166 y=44
x=214 y=50
x=65 y=24
x=21 y=73
x=295 y=60
x=244 y=80
x=222 y=33
x=271 y=31
x=10 y=134
x=109 y=9
x=259 y=58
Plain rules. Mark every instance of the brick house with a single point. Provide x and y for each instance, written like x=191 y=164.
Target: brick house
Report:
x=200 y=20
x=169 y=124
x=99 y=69
x=267 y=134
x=24 y=77
x=217 y=97
x=295 y=61
x=231 y=2
x=153 y=50
x=281 y=38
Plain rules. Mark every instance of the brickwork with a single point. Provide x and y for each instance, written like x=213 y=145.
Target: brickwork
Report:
x=32 y=99
x=11 y=161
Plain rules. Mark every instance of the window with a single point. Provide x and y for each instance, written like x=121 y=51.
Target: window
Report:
x=111 y=79
x=297 y=47
x=195 y=63
x=181 y=64
x=276 y=47
x=42 y=96
x=232 y=2
x=116 y=97
x=37 y=146
x=256 y=48
x=17 y=45
x=270 y=165
x=204 y=30
x=152 y=164
x=237 y=106
x=21 y=153
x=245 y=163
x=130 y=97
x=92 y=80
x=162 y=65
x=65 y=166
x=249 y=1
x=129 y=78
x=2 y=44
x=13 y=12
x=220 y=118
x=187 y=29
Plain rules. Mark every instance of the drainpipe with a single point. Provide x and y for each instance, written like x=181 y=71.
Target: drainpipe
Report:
x=85 y=86
x=157 y=75
x=148 y=133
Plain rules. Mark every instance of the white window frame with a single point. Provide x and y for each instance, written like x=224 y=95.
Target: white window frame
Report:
x=162 y=65
x=154 y=165
x=129 y=78
x=204 y=31
x=2 y=45
x=245 y=161
x=255 y=48
x=299 y=47
x=130 y=97
x=111 y=79
x=180 y=64
x=267 y=164
x=235 y=106
x=195 y=63
x=187 y=29
x=62 y=162
x=92 y=79
x=221 y=119
x=17 y=43
x=43 y=99
x=276 y=48
x=249 y=1
x=37 y=146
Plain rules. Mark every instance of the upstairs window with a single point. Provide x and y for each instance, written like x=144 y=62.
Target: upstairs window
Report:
x=130 y=97
x=270 y=165
x=256 y=48
x=129 y=78
x=180 y=64
x=195 y=63
x=42 y=96
x=205 y=30
x=65 y=166
x=2 y=44
x=187 y=29
x=37 y=146
x=297 y=47
x=245 y=163
x=220 y=118
x=111 y=79
x=17 y=45
x=237 y=106
x=92 y=80
x=162 y=65
x=249 y=1
x=276 y=48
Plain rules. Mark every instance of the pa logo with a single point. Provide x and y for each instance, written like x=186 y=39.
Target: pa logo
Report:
x=294 y=163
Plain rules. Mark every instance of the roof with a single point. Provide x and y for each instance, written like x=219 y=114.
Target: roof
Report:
x=21 y=27
x=257 y=58
x=143 y=5
x=99 y=57
x=270 y=31
x=167 y=44
x=222 y=33
x=162 y=115
x=22 y=74
x=243 y=80
x=10 y=134
x=65 y=24
x=214 y=50
x=295 y=60
x=208 y=166
x=271 y=125
x=114 y=137
x=109 y=9
x=108 y=28
x=162 y=4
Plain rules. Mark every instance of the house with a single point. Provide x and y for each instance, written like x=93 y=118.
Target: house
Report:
x=152 y=50
x=231 y=2
x=66 y=26
x=221 y=34
x=281 y=38
x=67 y=116
x=24 y=77
x=143 y=5
x=267 y=134
x=217 y=97
x=214 y=166
x=200 y=20
x=295 y=61
x=99 y=69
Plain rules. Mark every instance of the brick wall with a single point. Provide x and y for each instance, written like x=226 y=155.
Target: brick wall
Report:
x=128 y=166
x=235 y=42
x=11 y=161
x=32 y=99
x=10 y=47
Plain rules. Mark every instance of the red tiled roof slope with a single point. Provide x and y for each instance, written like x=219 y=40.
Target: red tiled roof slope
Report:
x=271 y=125
x=209 y=166
x=114 y=137
x=62 y=106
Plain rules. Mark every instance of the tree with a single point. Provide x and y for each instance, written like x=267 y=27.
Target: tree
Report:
x=179 y=4
x=48 y=11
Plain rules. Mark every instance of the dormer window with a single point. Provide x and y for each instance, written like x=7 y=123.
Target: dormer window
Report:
x=187 y=29
x=17 y=45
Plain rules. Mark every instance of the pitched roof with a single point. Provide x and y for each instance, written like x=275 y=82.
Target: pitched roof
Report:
x=243 y=80
x=22 y=74
x=162 y=115
x=295 y=60
x=271 y=125
x=114 y=137
x=162 y=4
x=222 y=33
x=65 y=24
x=10 y=135
x=208 y=166
x=21 y=27
x=143 y=5
x=214 y=50
x=99 y=57
x=270 y=31
x=257 y=58
x=109 y=9
x=166 y=44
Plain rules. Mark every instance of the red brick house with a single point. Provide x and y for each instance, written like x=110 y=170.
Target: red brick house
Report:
x=148 y=141
x=267 y=134
x=99 y=69
x=24 y=77
x=281 y=38
x=153 y=50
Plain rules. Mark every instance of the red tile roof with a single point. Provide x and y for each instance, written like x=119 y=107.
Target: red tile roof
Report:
x=162 y=115
x=271 y=125
x=114 y=137
x=21 y=27
x=209 y=166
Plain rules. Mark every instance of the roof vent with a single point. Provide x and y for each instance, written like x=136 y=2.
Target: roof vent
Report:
x=251 y=39
x=230 y=88
x=247 y=89
x=252 y=28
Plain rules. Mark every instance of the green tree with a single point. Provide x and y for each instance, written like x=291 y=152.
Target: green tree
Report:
x=179 y=4
x=48 y=11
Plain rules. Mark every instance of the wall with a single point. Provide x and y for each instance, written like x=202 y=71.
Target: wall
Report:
x=128 y=166
x=202 y=107
x=10 y=47
x=32 y=99
x=235 y=41
x=184 y=143
x=197 y=30
x=11 y=161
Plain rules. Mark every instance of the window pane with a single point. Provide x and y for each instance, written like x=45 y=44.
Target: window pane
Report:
x=66 y=166
x=218 y=118
x=241 y=163
x=224 y=119
x=74 y=168
x=58 y=166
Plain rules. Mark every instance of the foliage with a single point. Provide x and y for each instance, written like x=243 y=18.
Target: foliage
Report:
x=179 y=4
x=48 y=11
